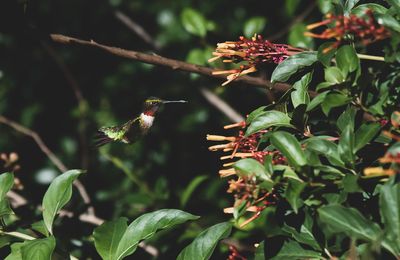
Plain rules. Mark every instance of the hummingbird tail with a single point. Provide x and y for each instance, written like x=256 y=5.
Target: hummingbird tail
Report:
x=101 y=139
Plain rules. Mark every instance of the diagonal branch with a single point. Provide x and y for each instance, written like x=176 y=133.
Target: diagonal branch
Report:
x=174 y=64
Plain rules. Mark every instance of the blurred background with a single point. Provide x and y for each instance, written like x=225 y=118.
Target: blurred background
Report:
x=66 y=92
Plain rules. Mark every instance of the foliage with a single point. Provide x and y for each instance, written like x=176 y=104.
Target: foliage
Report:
x=312 y=174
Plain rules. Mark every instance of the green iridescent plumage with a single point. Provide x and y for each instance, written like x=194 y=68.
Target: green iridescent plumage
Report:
x=132 y=130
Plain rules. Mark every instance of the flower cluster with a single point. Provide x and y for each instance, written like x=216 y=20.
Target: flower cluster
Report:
x=10 y=164
x=364 y=29
x=234 y=254
x=252 y=52
x=245 y=188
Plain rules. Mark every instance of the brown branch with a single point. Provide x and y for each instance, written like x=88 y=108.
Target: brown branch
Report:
x=89 y=216
x=174 y=64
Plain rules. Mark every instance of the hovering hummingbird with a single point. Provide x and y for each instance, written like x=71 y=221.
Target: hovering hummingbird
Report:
x=132 y=130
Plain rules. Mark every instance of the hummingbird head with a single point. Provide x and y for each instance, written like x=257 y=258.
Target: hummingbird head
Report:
x=152 y=104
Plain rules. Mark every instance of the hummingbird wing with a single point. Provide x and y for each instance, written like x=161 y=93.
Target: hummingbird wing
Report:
x=133 y=130
x=108 y=134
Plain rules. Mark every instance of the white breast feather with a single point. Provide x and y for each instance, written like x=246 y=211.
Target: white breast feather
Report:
x=147 y=120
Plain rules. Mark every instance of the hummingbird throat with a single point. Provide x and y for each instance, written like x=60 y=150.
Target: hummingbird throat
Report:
x=146 y=120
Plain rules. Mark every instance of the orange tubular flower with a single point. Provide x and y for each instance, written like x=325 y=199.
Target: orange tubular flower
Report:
x=253 y=52
x=364 y=29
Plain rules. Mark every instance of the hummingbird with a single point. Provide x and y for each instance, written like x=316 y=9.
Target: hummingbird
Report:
x=132 y=130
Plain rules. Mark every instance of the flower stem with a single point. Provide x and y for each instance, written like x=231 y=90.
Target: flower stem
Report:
x=370 y=57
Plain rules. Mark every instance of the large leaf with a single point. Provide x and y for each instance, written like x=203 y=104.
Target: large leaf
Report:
x=268 y=119
x=204 y=244
x=57 y=195
x=38 y=249
x=346 y=145
x=347 y=59
x=300 y=94
x=146 y=226
x=334 y=100
x=333 y=75
x=388 y=21
x=292 y=250
x=365 y=134
x=194 y=22
x=6 y=183
x=326 y=148
x=390 y=212
x=254 y=25
x=107 y=237
x=15 y=252
x=349 y=221
x=251 y=166
x=317 y=101
x=292 y=65
x=288 y=145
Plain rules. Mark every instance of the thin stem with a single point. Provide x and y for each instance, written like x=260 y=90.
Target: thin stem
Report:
x=370 y=57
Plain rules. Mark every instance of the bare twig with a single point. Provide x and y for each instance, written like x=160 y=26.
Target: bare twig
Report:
x=224 y=107
x=89 y=216
x=137 y=29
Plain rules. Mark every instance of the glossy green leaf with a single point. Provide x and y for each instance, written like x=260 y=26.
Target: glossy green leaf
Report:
x=365 y=134
x=317 y=101
x=288 y=145
x=326 y=52
x=146 y=226
x=259 y=111
x=388 y=21
x=298 y=39
x=346 y=145
x=194 y=22
x=6 y=183
x=292 y=193
x=361 y=9
x=350 y=184
x=303 y=236
x=251 y=166
x=254 y=25
x=348 y=5
x=15 y=252
x=292 y=250
x=347 y=59
x=346 y=118
x=389 y=201
x=292 y=65
x=325 y=148
x=38 y=249
x=333 y=100
x=300 y=94
x=185 y=196
x=40 y=227
x=107 y=237
x=268 y=119
x=349 y=221
x=334 y=75
x=260 y=252
x=204 y=244
x=57 y=195
x=395 y=4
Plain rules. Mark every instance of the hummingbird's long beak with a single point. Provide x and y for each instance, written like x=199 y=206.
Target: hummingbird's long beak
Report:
x=173 y=101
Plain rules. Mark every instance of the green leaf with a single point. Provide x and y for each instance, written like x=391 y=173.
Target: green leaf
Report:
x=395 y=4
x=259 y=111
x=305 y=236
x=268 y=119
x=57 y=195
x=300 y=94
x=347 y=59
x=292 y=250
x=317 y=100
x=334 y=100
x=324 y=6
x=361 y=9
x=185 y=196
x=389 y=201
x=194 y=22
x=250 y=167
x=349 y=221
x=38 y=249
x=333 y=75
x=146 y=226
x=365 y=134
x=6 y=183
x=107 y=237
x=349 y=4
x=292 y=65
x=204 y=244
x=326 y=148
x=288 y=145
x=15 y=252
x=298 y=39
x=324 y=85
x=350 y=183
x=40 y=227
x=254 y=25
x=346 y=145
x=292 y=193
x=326 y=52
x=346 y=118
x=387 y=21
x=260 y=252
